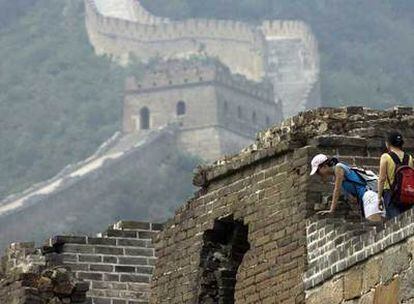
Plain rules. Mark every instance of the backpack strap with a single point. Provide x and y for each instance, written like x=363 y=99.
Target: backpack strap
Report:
x=395 y=158
x=406 y=159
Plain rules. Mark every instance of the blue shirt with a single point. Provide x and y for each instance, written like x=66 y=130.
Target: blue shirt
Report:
x=352 y=183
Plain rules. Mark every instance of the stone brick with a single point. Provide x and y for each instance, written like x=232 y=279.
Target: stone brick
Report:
x=133 y=260
x=139 y=252
x=353 y=283
x=109 y=250
x=395 y=260
x=387 y=293
x=90 y=276
x=125 y=269
x=407 y=285
x=90 y=258
x=330 y=292
x=110 y=259
x=101 y=268
x=371 y=274
x=65 y=239
x=73 y=248
x=133 y=243
x=102 y=301
x=134 y=278
x=101 y=241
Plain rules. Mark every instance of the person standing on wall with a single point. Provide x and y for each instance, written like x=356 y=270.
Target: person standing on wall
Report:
x=396 y=177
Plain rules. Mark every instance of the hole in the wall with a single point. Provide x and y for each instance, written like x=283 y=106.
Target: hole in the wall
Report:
x=223 y=250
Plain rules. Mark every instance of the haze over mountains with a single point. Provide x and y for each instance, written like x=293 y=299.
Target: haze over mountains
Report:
x=58 y=101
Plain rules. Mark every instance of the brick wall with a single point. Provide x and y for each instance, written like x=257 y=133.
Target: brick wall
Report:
x=267 y=188
x=25 y=279
x=117 y=265
x=375 y=267
x=270 y=199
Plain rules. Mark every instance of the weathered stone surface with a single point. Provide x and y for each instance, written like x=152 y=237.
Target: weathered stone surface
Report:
x=394 y=261
x=367 y=298
x=388 y=294
x=352 y=283
x=407 y=284
x=331 y=292
x=371 y=273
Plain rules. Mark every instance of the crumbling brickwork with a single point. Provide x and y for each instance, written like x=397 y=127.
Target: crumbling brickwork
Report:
x=251 y=233
x=117 y=265
x=114 y=268
x=25 y=279
x=267 y=187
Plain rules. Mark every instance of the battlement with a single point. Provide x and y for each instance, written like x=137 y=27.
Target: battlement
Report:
x=285 y=52
x=178 y=73
x=266 y=191
x=323 y=126
x=151 y=29
x=252 y=233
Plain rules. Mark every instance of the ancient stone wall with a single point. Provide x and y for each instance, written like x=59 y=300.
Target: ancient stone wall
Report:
x=25 y=279
x=270 y=200
x=118 y=266
x=221 y=112
x=268 y=190
x=374 y=267
x=74 y=201
x=114 y=268
x=284 y=51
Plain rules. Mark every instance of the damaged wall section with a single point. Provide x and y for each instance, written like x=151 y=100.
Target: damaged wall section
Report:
x=224 y=248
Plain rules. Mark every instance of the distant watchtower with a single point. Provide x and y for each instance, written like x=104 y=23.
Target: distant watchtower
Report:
x=217 y=112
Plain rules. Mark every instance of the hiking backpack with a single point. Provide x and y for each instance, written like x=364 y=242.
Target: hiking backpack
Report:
x=403 y=186
x=369 y=178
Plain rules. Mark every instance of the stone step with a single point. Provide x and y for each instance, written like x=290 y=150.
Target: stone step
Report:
x=143 y=242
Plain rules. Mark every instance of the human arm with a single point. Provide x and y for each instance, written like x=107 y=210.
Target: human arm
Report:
x=339 y=178
x=381 y=179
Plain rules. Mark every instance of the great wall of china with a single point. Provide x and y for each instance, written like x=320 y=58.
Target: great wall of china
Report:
x=284 y=51
x=249 y=235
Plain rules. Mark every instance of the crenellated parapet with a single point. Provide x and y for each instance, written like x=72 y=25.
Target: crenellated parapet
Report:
x=294 y=29
x=179 y=74
x=150 y=28
x=285 y=52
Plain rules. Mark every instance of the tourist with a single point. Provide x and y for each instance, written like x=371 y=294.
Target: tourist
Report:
x=390 y=180
x=351 y=183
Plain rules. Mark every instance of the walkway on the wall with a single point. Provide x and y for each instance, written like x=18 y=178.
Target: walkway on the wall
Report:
x=113 y=150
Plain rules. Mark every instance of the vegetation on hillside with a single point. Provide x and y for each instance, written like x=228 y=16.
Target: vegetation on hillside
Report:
x=58 y=101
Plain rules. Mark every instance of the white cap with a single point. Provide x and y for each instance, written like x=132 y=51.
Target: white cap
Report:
x=317 y=161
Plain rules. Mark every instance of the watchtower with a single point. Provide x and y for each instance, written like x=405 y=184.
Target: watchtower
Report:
x=216 y=112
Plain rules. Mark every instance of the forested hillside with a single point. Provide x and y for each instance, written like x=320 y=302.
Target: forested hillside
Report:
x=366 y=46
x=58 y=101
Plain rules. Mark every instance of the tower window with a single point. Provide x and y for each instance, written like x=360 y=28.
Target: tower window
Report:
x=180 y=108
x=254 y=117
x=225 y=107
x=144 y=118
x=267 y=120
x=239 y=112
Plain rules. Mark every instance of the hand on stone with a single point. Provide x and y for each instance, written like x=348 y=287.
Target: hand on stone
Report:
x=381 y=204
x=326 y=212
